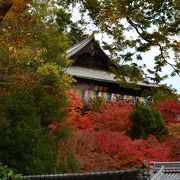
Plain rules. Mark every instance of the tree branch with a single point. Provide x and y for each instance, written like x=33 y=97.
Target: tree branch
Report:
x=172 y=65
x=136 y=26
x=137 y=30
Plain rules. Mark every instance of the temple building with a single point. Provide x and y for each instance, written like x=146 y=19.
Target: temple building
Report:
x=91 y=68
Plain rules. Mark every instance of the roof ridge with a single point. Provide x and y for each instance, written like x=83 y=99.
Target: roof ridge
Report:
x=80 y=45
x=84 y=174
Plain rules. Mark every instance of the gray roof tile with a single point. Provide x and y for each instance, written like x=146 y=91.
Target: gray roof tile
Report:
x=123 y=175
x=165 y=171
x=96 y=74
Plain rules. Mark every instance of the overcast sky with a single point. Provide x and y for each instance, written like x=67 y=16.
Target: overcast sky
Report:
x=147 y=57
x=148 y=60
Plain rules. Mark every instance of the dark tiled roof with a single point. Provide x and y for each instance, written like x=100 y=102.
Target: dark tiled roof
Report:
x=165 y=171
x=118 y=175
x=77 y=47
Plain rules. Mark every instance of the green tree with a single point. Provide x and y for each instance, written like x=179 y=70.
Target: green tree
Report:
x=73 y=30
x=25 y=145
x=147 y=121
x=154 y=24
x=32 y=88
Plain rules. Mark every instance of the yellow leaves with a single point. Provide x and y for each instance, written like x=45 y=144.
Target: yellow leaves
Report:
x=39 y=54
x=113 y=18
x=11 y=48
x=67 y=61
x=67 y=80
x=44 y=10
x=52 y=73
x=121 y=9
x=49 y=69
x=24 y=54
x=13 y=53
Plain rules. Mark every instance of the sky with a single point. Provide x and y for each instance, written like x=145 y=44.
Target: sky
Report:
x=147 y=57
x=148 y=60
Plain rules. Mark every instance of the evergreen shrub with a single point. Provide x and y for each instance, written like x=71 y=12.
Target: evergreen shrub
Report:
x=147 y=121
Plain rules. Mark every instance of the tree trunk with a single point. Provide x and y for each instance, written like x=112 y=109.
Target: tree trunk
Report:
x=5 y=5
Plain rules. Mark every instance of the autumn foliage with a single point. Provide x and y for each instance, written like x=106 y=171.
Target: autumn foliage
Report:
x=104 y=151
x=170 y=110
x=75 y=119
x=101 y=143
x=173 y=141
x=111 y=116
x=126 y=153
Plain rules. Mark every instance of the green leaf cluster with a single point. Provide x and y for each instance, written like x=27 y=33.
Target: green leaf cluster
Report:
x=7 y=173
x=147 y=121
x=25 y=144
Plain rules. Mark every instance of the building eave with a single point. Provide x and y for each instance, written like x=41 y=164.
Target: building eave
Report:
x=98 y=75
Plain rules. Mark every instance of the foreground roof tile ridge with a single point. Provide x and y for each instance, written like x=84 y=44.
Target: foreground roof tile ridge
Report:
x=165 y=170
x=88 y=173
x=133 y=174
